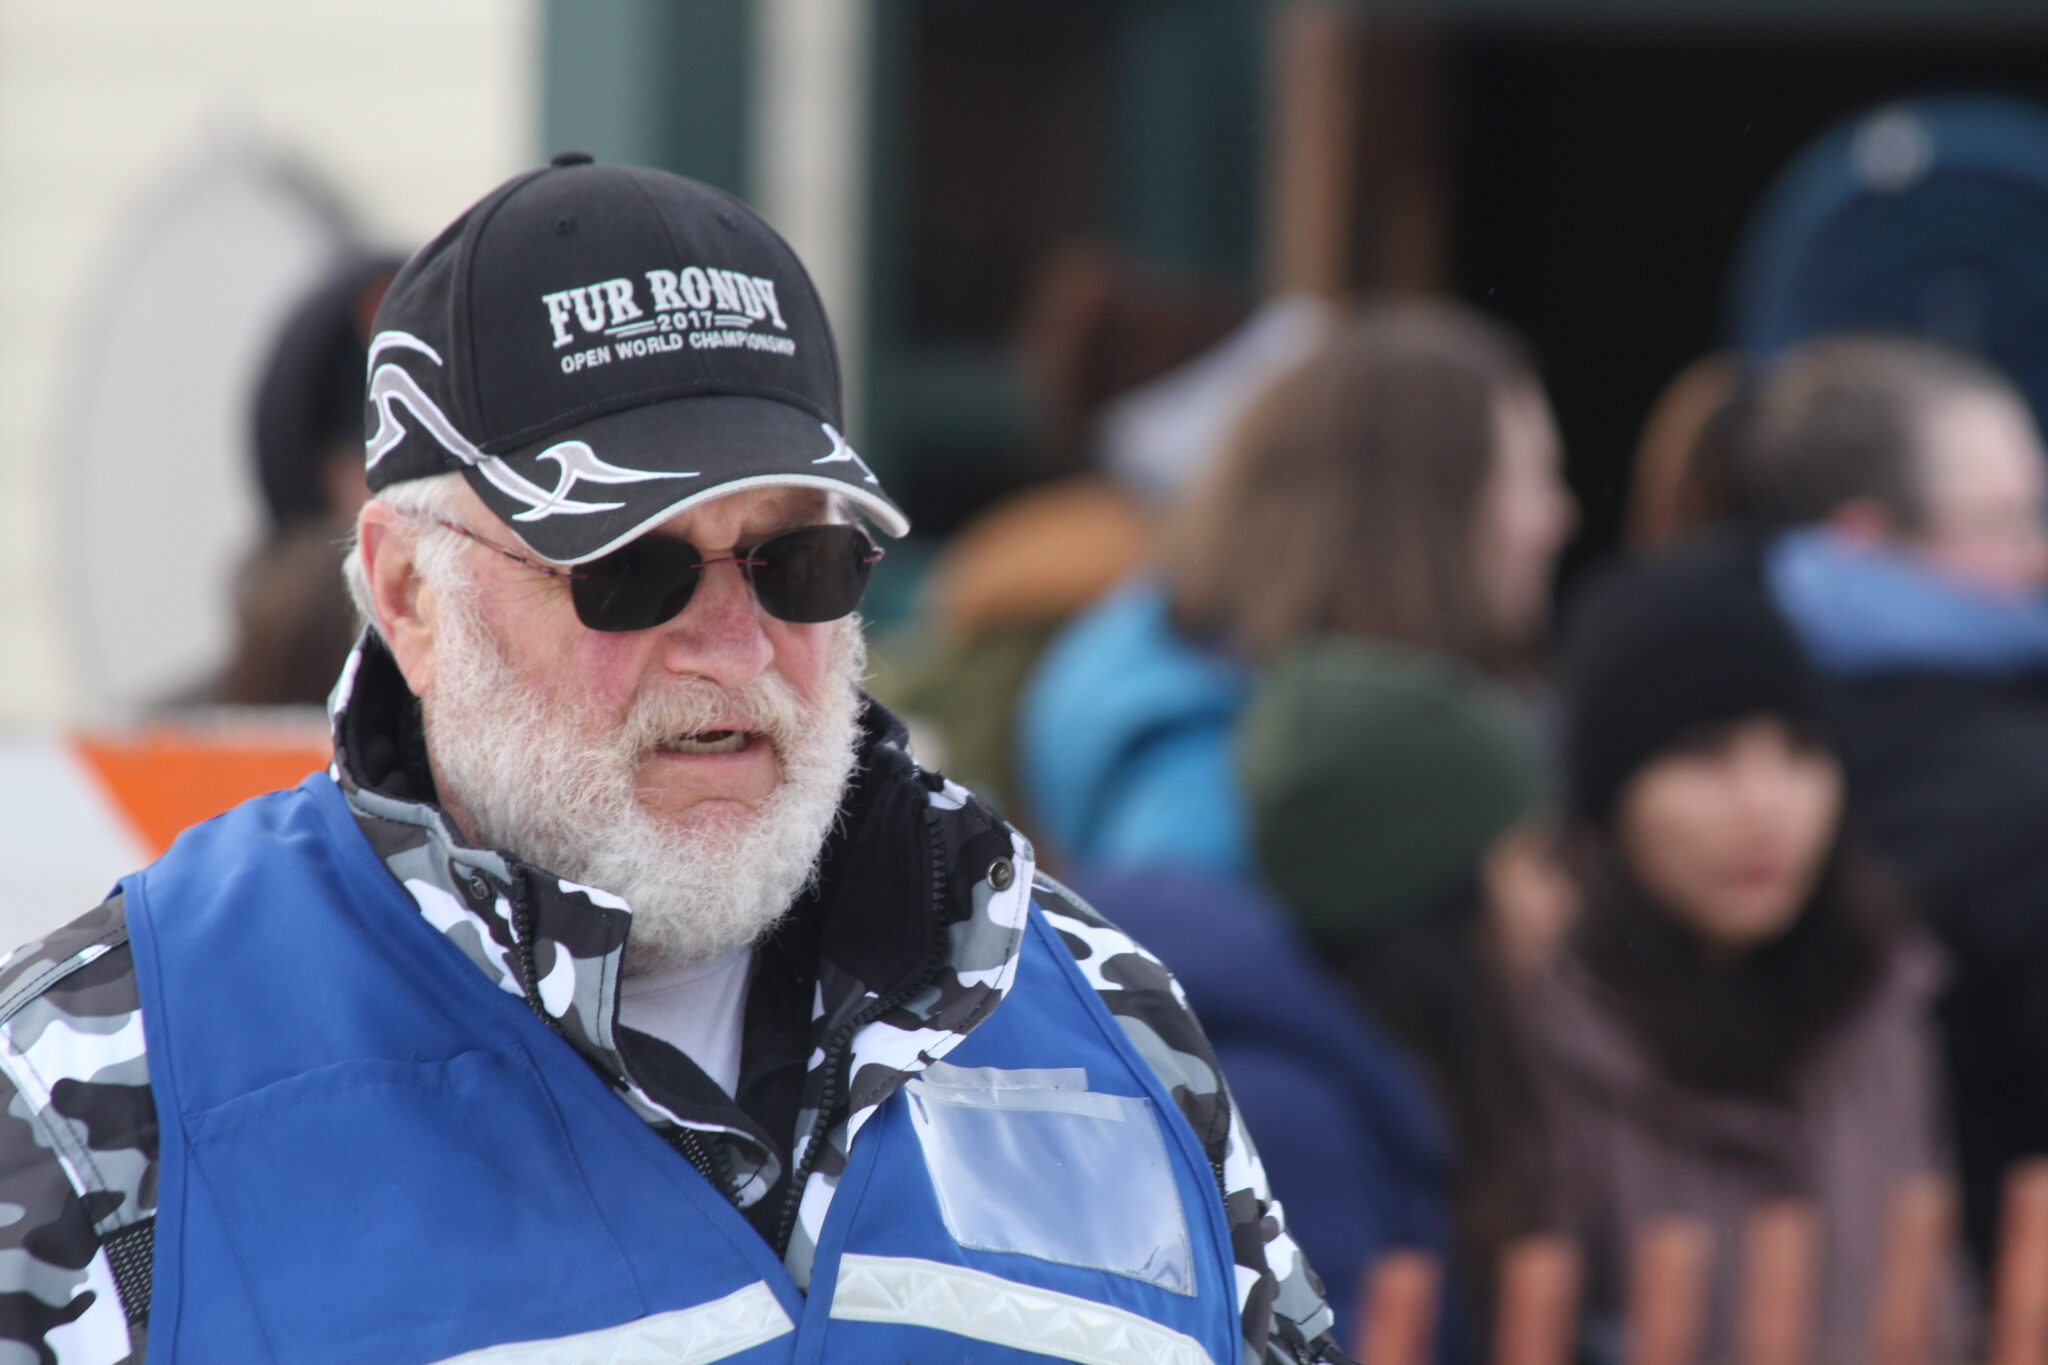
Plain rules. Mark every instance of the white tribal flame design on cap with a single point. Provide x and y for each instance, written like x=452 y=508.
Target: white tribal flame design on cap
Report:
x=390 y=385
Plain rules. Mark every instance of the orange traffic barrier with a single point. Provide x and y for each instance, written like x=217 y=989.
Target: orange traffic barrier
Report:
x=163 y=778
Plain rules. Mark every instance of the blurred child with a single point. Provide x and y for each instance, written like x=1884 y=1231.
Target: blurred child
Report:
x=1363 y=1009
x=1742 y=1013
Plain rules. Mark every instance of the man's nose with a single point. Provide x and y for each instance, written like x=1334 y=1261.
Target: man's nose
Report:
x=722 y=634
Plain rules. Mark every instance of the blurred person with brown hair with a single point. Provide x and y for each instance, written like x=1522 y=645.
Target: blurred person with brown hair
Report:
x=1683 y=480
x=1900 y=444
x=1403 y=483
x=1742 y=1014
x=1909 y=482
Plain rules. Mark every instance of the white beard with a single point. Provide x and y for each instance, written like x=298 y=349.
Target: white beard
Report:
x=549 y=780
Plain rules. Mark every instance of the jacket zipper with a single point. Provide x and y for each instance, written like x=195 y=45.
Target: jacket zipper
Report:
x=836 y=1045
x=684 y=1140
x=529 y=970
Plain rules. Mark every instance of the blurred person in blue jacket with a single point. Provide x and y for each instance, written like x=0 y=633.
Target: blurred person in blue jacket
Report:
x=1349 y=1135
x=1908 y=481
x=1097 y=327
x=1403 y=483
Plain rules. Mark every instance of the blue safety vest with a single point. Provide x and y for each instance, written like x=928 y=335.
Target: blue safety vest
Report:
x=370 y=1153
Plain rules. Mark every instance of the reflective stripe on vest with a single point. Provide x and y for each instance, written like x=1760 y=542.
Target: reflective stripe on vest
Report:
x=688 y=1336
x=969 y=1303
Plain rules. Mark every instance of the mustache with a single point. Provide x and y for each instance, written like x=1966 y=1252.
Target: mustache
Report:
x=767 y=705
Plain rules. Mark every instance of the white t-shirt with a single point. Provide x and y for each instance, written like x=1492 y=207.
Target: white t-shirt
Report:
x=697 y=1009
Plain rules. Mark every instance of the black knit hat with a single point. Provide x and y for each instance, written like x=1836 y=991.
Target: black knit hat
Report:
x=309 y=400
x=598 y=348
x=1667 y=646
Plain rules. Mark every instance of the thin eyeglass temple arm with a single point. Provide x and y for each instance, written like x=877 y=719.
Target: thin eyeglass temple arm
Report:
x=551 y=570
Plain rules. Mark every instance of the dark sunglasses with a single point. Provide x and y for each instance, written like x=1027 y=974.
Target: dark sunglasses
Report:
x=811 y=574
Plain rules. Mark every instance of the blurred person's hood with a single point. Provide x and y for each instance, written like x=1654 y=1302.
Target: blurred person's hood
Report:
x=1159 y=438
x=1919 y=217
x=1861 y=611
x=1038 y=556
x=1124 y=740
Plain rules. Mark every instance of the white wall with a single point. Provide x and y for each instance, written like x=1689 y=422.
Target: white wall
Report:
x=810 y=171
x=409 y=108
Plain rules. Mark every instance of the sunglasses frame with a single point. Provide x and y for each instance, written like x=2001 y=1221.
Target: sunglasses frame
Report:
x=745 y=560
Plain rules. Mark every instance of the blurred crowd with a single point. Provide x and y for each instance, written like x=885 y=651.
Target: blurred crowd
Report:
x=1715 y=878
x=1724 y=887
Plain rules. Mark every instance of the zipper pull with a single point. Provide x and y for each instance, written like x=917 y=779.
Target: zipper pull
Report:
x=686 y=1141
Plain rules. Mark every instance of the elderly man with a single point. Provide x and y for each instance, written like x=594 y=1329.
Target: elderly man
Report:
x=1913 y=479
x=625 y=990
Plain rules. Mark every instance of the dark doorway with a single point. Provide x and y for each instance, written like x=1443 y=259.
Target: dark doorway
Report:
x=1602 y=182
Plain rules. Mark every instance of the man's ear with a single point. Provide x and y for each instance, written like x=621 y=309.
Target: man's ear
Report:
x=1863 y=522
x=403 y=602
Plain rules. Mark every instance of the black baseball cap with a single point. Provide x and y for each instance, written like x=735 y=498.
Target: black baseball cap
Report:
x=598 y=348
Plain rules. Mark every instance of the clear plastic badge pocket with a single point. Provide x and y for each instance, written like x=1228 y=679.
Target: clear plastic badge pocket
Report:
x=1033 y=1162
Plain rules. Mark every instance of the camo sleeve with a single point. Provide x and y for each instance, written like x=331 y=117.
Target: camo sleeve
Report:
x=78 y=1144
x=1286 y=1321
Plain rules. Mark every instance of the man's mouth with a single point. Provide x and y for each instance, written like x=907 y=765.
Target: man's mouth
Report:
x=710 y=742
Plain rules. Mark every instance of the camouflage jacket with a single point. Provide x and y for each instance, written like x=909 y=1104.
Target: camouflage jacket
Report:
x=902 y=944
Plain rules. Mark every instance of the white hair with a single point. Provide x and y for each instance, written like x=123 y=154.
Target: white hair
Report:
x=417 y=500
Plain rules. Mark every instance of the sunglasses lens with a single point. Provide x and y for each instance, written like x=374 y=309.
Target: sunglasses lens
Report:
x=638 y=585
x=817 y=573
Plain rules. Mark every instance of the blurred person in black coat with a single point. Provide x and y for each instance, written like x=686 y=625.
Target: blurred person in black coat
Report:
x=293 y=621
x=1907 y=482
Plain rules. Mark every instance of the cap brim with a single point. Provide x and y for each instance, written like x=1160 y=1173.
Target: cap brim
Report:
x=586 y=491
